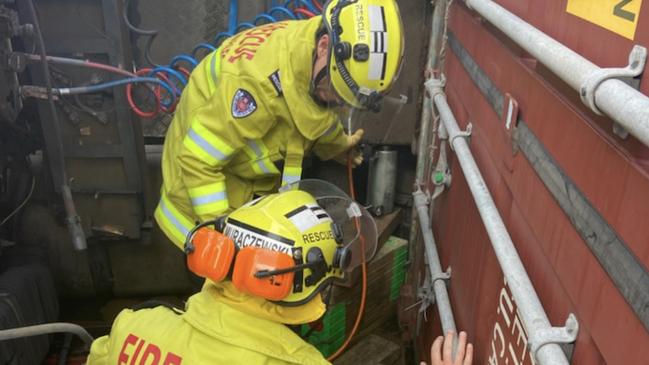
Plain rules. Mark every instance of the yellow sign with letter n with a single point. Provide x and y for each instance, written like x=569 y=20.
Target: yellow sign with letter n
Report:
x=619 y=16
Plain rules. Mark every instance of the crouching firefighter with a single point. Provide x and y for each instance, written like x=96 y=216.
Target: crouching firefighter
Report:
x=266 y=97
x=268 y=264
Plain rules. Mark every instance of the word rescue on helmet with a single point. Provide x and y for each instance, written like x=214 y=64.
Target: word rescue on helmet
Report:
x=245 y=235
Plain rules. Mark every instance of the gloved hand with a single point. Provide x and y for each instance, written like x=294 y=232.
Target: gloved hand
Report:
x=356 y=154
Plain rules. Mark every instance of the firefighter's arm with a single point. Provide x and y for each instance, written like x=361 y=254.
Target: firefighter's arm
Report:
x=335 y=144
x=233 y=115
x=106 y=349
x=99 y=351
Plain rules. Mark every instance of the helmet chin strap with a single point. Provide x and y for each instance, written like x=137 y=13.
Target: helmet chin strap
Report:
x=314 y=87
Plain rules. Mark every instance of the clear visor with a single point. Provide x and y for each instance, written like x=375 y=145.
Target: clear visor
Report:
x=359 y=234
x=355 y=118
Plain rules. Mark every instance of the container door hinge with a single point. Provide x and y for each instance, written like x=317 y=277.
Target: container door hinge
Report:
x=557 y=335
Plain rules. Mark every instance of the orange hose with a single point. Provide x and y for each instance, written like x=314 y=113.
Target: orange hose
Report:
x=361 y=307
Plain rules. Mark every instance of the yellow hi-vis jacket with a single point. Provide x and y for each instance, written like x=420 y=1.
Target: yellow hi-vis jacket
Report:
x=218 y=327
x=246 y=107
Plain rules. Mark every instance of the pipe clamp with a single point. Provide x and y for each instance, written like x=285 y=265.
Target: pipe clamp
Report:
x=556 y=335
x=637 y=60
x=465 y=134
x=435 y=86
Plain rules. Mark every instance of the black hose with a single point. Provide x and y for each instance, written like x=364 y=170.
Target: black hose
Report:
x=65 y=350
x=151 y=34
x=72 y=219
x=48 y=81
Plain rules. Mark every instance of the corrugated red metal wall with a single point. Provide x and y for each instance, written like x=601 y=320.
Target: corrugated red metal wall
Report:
x=611 y=173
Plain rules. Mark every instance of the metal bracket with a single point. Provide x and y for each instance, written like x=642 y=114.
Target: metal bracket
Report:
x=38 y=92
x=557 y=335
x=446 y=275
x=464 y=134
x=426 y=293
x=637 y=60
x=437 y=85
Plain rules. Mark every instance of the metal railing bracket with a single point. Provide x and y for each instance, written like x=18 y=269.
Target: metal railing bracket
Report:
x=637 y=60
x=556 y=335
x=441 y=276
x=435 y=86
x=463 y=134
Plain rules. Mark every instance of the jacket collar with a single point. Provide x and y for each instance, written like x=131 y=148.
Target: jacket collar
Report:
x=295 y=62
x=224 y=313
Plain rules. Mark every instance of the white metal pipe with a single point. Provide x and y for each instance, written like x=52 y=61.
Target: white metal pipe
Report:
x=434 y=265
x=532 y=313
x=44 y=329
x=423 y=157
x=619 y=101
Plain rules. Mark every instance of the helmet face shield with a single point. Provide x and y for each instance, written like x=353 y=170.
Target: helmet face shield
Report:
x=355 y=225
x=304 y=237
x=354 y=118
x=324 y=94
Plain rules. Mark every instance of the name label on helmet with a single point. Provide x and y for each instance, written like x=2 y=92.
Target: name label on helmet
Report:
x=245 y=235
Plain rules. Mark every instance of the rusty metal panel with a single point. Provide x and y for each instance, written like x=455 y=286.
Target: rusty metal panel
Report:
x=600 y=169
x=608 y=172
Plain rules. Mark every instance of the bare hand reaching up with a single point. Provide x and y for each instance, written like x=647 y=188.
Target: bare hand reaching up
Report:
x=443 y=356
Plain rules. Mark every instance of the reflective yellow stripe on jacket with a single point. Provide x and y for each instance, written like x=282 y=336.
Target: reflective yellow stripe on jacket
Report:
x=209 y=199
x=206 y=145
x=173 y=223
x=260 y=158
x=291 y=175
x=293 y=161
x=214 y=65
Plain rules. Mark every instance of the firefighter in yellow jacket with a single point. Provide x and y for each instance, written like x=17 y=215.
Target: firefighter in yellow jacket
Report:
x=269 y=267
x=267 y=96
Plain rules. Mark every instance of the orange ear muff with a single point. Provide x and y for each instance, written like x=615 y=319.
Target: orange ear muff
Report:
x=211 y=254
x=250 y=261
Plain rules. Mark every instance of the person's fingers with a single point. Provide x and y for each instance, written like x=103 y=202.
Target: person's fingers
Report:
x=436 y=351
x=461 y=345
x=357 y=158
x=355 y=138
x=422 y=363
x=448 y=346
x=468 y=359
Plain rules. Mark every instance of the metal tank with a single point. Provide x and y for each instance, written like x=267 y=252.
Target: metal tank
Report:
x=381 y=182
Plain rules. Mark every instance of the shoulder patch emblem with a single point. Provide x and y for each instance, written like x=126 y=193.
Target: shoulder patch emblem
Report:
x=274 y=79
x=243 y=104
